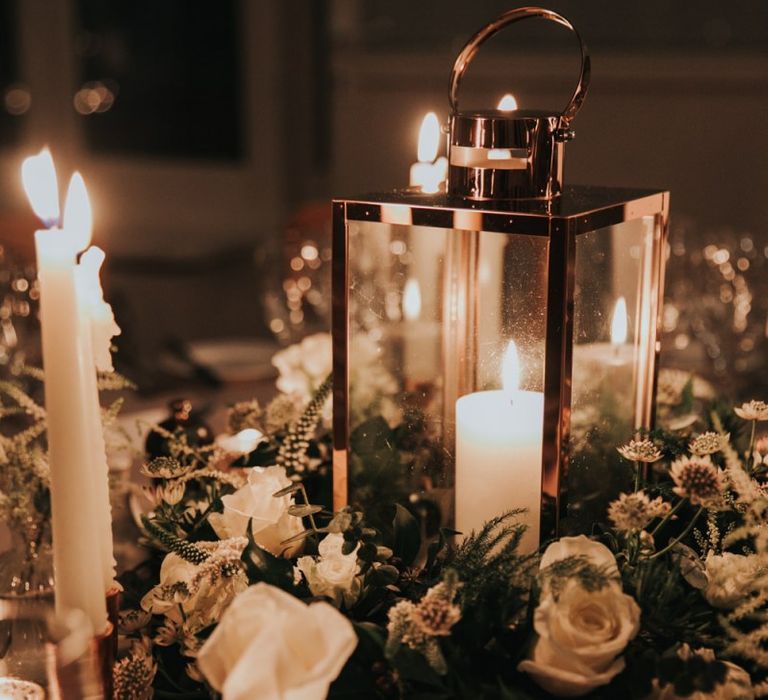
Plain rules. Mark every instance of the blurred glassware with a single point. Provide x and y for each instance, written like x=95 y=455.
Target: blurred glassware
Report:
x=297 y=300
x=46 y=655
x=715 y=318
x=19 y=328
x=26 y=567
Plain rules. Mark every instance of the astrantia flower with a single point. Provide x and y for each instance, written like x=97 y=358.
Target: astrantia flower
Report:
x=633 y=511
x=708 y=443
x=164 y=468
x=697 y=479
x=752 y=410
x=640 y=451
x=133 y=674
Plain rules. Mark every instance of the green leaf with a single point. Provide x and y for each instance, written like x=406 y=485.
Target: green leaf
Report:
x=385 y=575
x=367 y=551
x=371 y=437
x=407 y=536
x=303 y=510
x=383 y=553
x=262 y=565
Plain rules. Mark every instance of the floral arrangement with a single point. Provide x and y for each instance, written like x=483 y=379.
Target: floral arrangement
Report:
x=255 y=591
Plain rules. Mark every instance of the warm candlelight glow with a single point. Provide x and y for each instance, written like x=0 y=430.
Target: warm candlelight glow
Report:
x=619 y=323
x=412 y=300
x=508 y=103
x=510 y=369
x=38 y=174
x=429 y=138
x=78 y=219
x=499 y=154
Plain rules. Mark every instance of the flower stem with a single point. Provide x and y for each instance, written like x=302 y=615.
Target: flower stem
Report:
x=751 y=453
x=667 y=517
x=680 y=538
x=637 y=476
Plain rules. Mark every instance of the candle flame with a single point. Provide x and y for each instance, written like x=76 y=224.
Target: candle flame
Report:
x=508 y=103
x=429 y=138
x=619 y=324
x=510 y=369
x=78 y=218
x=412 y=300
x=38 y=175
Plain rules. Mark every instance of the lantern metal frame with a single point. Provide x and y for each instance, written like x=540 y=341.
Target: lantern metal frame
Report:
x=578 y=210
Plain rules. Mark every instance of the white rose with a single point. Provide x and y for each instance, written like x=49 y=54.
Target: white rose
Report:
x=332 y=574
x=582 y=635
x=255 y=501
x=271 y=646
x=597 y=554
x=730 y=578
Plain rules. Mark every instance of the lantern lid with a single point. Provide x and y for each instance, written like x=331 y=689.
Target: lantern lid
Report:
x=579 y=208
x=509 y=154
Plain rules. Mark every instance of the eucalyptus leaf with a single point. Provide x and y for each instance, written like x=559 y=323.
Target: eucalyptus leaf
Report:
x=303 y=510
x=288 y=489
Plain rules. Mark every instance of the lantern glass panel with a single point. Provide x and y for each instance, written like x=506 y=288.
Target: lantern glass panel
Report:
x=613 y=322
x=431 y=315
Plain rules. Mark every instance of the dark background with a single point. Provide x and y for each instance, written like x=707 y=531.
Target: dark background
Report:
x=211 y=135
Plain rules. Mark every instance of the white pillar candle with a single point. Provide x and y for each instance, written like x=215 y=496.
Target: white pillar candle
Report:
x=77 y=554
x=498 y=454
x=421 y=338
x=610 y=363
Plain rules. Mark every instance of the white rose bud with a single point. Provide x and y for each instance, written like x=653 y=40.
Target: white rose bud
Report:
x=332 y=574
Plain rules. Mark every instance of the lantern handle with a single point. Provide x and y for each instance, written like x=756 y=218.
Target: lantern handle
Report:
x=473 y=45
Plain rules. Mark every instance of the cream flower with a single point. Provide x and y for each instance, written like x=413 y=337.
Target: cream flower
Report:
x=640 y=451
x=304 y=366
x=581 y=546
x=708 y=443
x=730 y=578
x=581 y=637
x=271 y=645
x=271 y=522
x=333 y=573
x=633 y=511
x=752 y=410
x=697 y=479
x=193 y=596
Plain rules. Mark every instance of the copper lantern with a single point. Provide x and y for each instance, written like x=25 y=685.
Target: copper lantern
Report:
x=494 y=341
